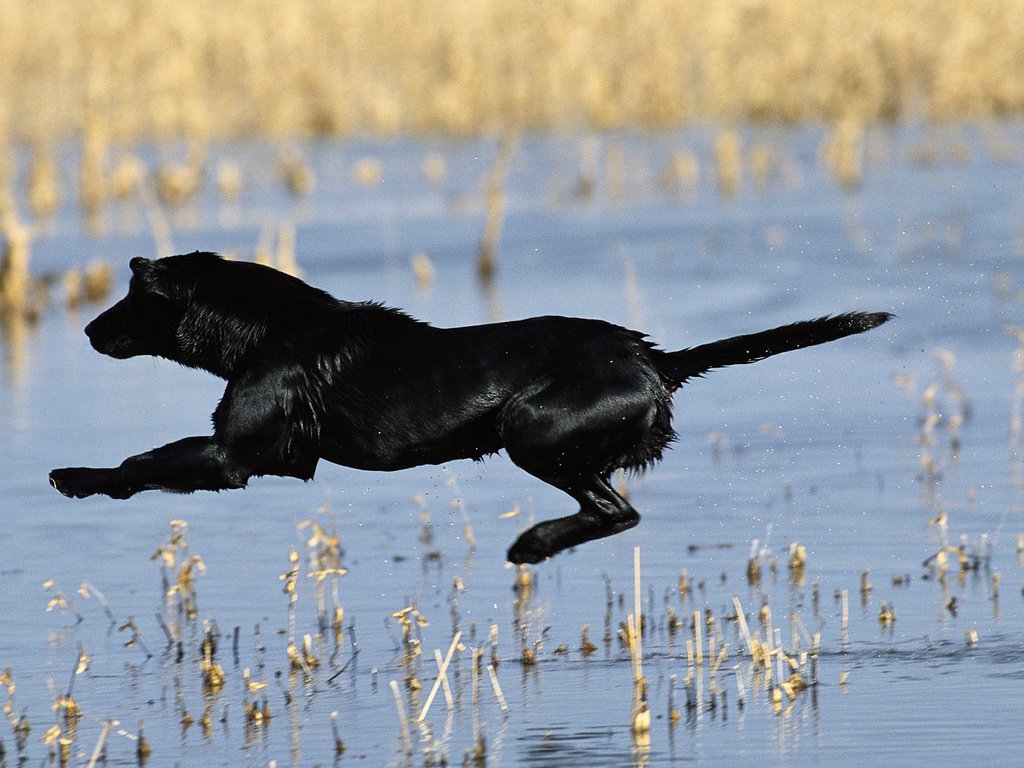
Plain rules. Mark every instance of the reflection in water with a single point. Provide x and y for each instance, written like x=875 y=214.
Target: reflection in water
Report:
x=559 y=744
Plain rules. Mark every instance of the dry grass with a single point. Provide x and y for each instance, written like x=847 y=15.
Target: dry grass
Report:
x=120 y=71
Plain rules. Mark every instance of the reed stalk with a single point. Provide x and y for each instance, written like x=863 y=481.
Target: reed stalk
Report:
x=440 y=677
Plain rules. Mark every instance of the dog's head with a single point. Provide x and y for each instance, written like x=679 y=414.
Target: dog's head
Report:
x=201 y=311
x=146 y=321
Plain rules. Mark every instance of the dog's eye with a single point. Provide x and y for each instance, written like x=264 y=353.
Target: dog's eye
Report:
x=141 y=289
x=154 y=297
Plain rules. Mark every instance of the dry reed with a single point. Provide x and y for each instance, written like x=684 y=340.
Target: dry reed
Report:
x=116 y=72
x=487 y=254
x=400 y=707
x=441 y=677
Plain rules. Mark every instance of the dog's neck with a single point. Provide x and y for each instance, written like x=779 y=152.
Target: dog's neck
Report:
x=222 y=343
x=216 y=343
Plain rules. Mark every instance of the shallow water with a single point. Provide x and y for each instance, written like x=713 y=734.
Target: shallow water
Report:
x=822 y=447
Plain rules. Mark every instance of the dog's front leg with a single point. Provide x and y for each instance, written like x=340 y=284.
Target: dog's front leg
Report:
x=191 y=464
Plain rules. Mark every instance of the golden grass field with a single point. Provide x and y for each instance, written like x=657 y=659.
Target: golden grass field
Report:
x=142 y=68
x=109 y=76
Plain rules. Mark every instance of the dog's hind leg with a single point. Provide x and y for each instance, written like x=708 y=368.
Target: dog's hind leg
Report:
x=573 y=438
x=602 y=513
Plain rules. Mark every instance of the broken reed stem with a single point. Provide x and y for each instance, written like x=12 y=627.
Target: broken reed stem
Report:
x=723 y=654
x=444 y=679
x=339 y=745
x=802 y=629
x=780 y=673
x=698 y=637
x=98 y=749
x=467 y=528
x=440 y=676
x=496 y=686
x=634 y=649
x=476 y=654
x=87 y=590
x=845 y=617
x=637 y=613
x=400 y=706
x=769 y=647
x=742 y=621
x=741 y=691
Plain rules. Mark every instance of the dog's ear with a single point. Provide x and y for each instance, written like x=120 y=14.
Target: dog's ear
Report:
x=151 y=275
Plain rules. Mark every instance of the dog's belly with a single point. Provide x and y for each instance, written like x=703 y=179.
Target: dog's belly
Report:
x=387 y=448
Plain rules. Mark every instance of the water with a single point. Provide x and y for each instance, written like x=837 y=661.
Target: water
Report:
x=821 y=447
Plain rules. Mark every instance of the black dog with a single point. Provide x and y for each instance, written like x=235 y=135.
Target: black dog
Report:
x=310 y=377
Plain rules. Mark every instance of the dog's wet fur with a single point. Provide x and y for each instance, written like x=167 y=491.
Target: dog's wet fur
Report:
x=311 y=377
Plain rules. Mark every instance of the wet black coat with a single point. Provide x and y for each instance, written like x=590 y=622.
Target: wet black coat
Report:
x=311 y=377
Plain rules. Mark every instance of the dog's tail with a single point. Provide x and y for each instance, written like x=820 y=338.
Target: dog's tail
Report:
x=685 y=364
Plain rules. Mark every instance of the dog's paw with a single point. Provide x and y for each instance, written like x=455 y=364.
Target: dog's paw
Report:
x=73 y=482
x=547 y=539
x=550 y=537
x=529 y=548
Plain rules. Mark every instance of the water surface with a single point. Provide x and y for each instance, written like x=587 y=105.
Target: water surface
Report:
x=827 y=448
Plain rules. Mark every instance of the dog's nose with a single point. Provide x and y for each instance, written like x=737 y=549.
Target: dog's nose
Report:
x=95 y=334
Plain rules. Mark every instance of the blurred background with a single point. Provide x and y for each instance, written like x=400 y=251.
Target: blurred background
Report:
x=148 y=100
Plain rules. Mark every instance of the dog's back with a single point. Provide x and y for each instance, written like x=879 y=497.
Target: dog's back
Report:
x=417 y=394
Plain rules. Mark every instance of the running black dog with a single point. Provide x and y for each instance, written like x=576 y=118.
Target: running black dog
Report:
x=311 y=377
